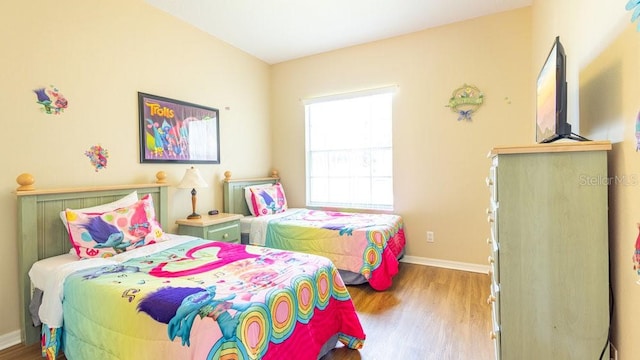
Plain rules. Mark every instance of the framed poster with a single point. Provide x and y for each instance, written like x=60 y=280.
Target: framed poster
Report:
x=177 y=131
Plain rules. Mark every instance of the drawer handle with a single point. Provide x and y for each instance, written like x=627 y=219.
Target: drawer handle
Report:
x=488 y=181
x=492 y=335
x=490 y=219
x=489 y=242
x=491 y=299
x=225 y=236
x=490 y=260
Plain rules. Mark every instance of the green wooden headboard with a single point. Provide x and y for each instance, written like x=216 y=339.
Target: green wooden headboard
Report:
x=233 y=191
x=41 y=233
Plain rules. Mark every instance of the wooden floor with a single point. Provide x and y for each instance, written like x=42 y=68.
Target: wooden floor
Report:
x=428 y=313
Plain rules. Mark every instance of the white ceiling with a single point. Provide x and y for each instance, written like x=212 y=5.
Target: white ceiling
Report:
x=281 y=30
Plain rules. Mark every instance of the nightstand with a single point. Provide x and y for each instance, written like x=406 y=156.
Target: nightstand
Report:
x=219 y=227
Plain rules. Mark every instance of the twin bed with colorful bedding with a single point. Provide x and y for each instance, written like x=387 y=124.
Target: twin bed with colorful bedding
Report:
x=115 y=286
x=364 y=247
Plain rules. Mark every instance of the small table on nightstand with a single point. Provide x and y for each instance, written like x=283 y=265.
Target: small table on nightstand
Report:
x=219 y=227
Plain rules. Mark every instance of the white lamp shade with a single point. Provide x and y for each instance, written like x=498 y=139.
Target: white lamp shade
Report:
x=192 y=179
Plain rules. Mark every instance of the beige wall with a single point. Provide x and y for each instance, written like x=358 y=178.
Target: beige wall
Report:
x=439 y=162
x=604 y=88
x=100 y=54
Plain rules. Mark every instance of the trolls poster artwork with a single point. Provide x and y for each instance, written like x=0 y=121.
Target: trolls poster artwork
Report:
x=177 y=131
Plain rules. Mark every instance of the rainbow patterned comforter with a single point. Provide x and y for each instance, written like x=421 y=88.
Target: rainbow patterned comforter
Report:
x=206 y=300
x=368 y=244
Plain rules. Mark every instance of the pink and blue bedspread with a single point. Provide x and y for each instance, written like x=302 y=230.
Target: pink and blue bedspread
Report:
x=367 y=244
x=206 y=300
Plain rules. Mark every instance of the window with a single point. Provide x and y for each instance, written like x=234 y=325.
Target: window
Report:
x=349 y=150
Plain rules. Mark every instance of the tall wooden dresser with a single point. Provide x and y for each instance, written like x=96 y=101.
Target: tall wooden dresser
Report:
x=549 y=250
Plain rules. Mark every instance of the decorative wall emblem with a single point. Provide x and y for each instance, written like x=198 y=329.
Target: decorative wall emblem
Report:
x=52 y=101
x=465 y=101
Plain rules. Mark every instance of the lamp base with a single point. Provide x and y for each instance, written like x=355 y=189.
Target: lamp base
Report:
x=194 y=216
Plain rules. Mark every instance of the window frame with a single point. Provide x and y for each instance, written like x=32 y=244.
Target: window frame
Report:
x=366 y=151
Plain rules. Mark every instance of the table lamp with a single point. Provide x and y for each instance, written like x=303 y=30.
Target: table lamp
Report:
x=192 y=180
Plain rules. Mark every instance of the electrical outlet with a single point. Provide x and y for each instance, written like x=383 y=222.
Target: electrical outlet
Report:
x=613 y=352
x=430 y=236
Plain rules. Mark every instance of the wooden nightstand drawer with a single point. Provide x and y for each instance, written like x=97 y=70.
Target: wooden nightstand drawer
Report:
x=220 y=227
x=229 y=233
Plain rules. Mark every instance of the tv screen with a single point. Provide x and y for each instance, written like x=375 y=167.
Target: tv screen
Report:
x=551 y=97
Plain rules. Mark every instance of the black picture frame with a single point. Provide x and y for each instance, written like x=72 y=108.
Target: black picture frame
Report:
x=174 y=131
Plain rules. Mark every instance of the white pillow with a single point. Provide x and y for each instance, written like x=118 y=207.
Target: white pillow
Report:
x=247 y=195
x=120 y=203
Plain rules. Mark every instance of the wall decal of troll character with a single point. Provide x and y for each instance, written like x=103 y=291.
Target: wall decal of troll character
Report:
x=178 y=307
x=52 y=101
x=631 y=5
x=98 y=157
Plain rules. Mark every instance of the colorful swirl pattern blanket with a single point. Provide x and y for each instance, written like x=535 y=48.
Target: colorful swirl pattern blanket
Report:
x=368 y=244
x=206 y=300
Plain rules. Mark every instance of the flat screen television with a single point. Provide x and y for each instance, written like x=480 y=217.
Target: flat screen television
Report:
x=551 y=98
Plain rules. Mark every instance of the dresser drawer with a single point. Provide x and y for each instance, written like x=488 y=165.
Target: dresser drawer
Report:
x=492 y=182
x=494 y=301
x=492 y=219
x=495 y=336
x=226 y=233
x=495 y=257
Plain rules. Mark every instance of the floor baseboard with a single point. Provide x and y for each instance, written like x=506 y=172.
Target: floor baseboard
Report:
x=454 y=265
x=10 y=339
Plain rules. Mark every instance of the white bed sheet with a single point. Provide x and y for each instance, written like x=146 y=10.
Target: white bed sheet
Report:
x=49 y=274
x=245 y=224
x=41 y=271
x=258 y=226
